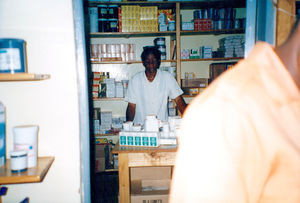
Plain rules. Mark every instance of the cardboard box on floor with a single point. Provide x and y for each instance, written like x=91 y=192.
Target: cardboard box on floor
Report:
x=100 y=158
x=102 y=161
x=150 y=184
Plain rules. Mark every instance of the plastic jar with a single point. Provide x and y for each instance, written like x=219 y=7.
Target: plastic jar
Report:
x=103 y=25
x=112 y=11
x=18 y=161
x=102 y=11
x=171 y=25
x=160 y=41
x=113 y=25
x=12 y=56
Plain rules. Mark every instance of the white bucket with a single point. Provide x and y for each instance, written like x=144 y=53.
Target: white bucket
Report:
x=25 y=138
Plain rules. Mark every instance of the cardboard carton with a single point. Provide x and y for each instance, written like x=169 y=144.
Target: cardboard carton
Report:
x=150 y=184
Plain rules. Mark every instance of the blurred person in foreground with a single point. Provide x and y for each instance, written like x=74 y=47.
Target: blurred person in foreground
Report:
x=240 y=139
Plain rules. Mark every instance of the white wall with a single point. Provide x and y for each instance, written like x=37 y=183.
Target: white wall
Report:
x=47 y=27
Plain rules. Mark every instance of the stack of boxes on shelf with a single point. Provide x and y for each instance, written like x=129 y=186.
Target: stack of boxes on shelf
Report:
x=139 y=19
x=130 y=18
x=193 y=86
x=112 y=52
x=99 y=87
x=166 y=20
x=105 y=87
x=104 y=158
x=203 y=52
x=148 y=19
x=104 y=122
x=154 y=134
x=110 y=87
x=216 y=69
x=232 y=46
x=214 y=19
x=104 y=18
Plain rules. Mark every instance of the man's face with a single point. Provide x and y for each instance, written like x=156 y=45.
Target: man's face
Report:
x=151 y=63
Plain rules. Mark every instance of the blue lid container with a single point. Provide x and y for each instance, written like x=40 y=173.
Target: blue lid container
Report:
x=12 y=56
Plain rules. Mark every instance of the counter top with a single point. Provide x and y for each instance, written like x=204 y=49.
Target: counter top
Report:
x=132 y=149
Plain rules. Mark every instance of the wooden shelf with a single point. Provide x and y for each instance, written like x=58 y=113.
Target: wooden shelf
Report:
x=212 y=59
x=131 y=34
x=31 y=175
x=109 y=99
x=168 y=4
x=8 y=77
x=212 y=32
x=170 y=61
x=105 y=135
x=126 y=62
x=166 y=33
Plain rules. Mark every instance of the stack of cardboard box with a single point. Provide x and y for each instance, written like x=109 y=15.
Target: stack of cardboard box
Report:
x=150 y=184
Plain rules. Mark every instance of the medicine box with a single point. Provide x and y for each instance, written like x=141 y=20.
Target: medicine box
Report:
x=142 y=139
x=198 y=82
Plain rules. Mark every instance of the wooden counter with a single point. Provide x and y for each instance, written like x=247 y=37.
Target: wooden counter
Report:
x=139 y=157
x=31 y=175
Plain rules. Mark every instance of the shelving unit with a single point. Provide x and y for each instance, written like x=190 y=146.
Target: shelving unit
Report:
x=175 y=41
x=7 y=77
x=175 y=37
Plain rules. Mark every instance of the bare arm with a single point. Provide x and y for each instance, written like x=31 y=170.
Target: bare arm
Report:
x=130 y=111
x=180 y=104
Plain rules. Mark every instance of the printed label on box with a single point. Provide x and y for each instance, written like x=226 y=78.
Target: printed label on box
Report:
x=153 y=141
x=122 y=140
x=138 y=141
x=145 y=141
x=129 y=140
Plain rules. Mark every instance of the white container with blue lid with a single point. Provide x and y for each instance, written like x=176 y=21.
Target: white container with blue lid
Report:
x=18 y=161
x=12 y=56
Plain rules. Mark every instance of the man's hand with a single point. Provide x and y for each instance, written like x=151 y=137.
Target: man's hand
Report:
x=130 y=111
x=180 y=103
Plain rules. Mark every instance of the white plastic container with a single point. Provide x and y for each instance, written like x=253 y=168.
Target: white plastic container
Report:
x=18 y=161
x=127 y=126
x=151 y=124
x=12 y=55
x=25 y=138
x=136 y=128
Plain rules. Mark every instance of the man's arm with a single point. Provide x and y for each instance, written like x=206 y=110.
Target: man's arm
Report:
x=130 y=111
x=180 y=104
